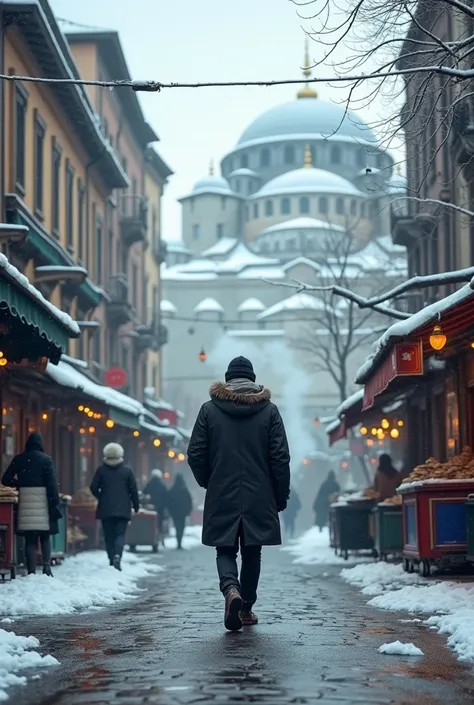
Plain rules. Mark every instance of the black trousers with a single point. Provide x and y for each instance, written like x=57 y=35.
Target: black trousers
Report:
x=31 y=543
x=114 y=536
x=249 y=572
x=179 y=525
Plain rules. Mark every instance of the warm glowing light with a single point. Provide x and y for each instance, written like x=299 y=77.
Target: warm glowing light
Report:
x=166 y=475
x=86 y=409
x=400 y=424
x=44 y=416
x=202 y=355
x=394 y=433
x=157 y=442
x=437 y=338
x=80 y=408
x=316 y=422
x=472 y=344
x=82 y=430
x=1 y=354
x=171 y=454
x=451 y=443
x=385 y=424
x=136 y=433
x=181 y=457
x=90 y=414
x=3 y=361
x=364 y=430
x=344 y=465
x=374 y=432
x=109 y=423
x=91 y=429
x=380 y=434
x=373 y=461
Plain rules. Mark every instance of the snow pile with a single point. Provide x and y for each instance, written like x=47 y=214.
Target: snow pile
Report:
x=450 y=604
x=191 y=539
x=83 y=582
x=312 y=548
x=17 y=654
x=378 y=578
x=397 y=648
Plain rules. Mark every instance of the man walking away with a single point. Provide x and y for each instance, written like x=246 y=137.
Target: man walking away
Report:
x=180 y=506
x=115 y=487
x=239 y=453
x=291 y=512
x=323 y=499
x=32 y=472
x=158 y=492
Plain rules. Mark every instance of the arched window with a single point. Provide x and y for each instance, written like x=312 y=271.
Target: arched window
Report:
x=237 y=185
x=276 y=246
x=340 y=206
x=265 y=157
x=255 y=210
x=335 y=155
x=323 y=204
x=285 y=206
x=362 y=210
x=304 y=204
x=246 y=214
x=268 y=207
x=244 y=161
x=249 y=186
x=353 y=207
x=289 y=154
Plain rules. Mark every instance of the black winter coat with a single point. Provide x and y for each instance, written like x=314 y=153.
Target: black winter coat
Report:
x=322 y=501
x=157 y=490
x=180 y=502
x=116 y=489
x=35 y=468
x=239 y=453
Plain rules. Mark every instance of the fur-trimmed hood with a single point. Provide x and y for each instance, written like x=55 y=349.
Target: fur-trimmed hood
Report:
x=222 y=392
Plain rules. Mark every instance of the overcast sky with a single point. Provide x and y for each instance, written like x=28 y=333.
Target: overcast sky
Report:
x=209 y=40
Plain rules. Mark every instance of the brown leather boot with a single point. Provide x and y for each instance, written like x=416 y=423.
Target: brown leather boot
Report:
x=249 y=618
x=233 y=605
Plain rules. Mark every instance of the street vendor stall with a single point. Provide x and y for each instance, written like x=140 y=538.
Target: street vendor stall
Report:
x=388 y=528
x=350 y=523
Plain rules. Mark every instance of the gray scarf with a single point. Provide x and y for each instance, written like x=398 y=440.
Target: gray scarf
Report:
x=244 y=386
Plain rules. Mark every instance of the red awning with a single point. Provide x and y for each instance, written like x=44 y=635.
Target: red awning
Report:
x=338 y=433
x=404 y=360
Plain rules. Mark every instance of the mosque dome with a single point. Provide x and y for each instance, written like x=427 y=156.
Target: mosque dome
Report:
x=308 y=180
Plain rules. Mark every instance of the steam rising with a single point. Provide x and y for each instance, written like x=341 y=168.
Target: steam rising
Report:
x=274 y=361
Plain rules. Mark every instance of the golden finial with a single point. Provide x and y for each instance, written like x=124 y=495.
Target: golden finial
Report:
x=308 y=157
x=306 y=92
x=211 y=168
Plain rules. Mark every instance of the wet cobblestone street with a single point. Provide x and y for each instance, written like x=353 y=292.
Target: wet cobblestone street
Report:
x=317 y=641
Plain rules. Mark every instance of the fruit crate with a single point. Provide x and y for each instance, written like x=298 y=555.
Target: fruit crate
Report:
x=435 y=526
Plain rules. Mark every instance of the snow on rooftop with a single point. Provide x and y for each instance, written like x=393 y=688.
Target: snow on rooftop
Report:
x=405 y=328
x=168 y=307
x=60 y=316
x=350 y=401
x=242 y=257
x=262 y=273
x=332 y=426
x=221 y=247
x=297 y=302
x=208 y=305
x=251 y=304
x=256 y=333
x=303 y=223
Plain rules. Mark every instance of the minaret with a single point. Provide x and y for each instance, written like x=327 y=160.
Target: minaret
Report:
x=308 y=157
x=306 y=92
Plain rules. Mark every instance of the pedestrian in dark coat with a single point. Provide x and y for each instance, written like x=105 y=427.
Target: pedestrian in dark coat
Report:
x=323 y=499
x=158 y=492
x=239 y=453
x=386 y=479
x=180 y=506
x=291 y=512
x=115 y=488
x=32 y=472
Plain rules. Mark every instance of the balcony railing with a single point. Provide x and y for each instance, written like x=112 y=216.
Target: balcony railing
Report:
x=120 y=310
x=133 y=214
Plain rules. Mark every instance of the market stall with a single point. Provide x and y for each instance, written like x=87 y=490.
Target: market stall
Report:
x=350 y=522
x=388 y=528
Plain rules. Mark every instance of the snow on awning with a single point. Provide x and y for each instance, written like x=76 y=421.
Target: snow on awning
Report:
x=160 y=431
x=350 y=402
x=168 y=307
x=336 y=431
x=208 y=305
x=295 y=303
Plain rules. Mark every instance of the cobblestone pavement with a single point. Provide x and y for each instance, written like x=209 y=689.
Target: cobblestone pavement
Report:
x=317 y=641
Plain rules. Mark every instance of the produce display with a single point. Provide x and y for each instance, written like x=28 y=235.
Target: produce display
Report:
x=369 y=493
x=8 y=494
x=84 y=498
x=396 y=500
x=459 y=467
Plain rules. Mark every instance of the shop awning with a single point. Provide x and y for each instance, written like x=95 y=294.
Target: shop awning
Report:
x=168 y=434
x=337 y=431
x=50 y=328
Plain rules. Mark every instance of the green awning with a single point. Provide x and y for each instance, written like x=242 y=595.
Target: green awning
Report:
x=123 y=418
x=52 y=251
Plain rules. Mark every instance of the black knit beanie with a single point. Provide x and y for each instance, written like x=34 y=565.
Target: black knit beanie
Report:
x=240 y=368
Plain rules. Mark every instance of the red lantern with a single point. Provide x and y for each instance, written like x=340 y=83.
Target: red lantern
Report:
x=115 y=377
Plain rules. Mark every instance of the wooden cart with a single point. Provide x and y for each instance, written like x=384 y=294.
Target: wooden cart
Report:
x=351 y=527
x=435 y=524
x=388 y=530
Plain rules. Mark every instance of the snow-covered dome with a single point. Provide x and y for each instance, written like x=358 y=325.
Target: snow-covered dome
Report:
x=251 y=305
x=168 y=307
x=297 y=302
x=303 y=223
x=211 y=183
x=208 y=305
x=307 y=119
x=244 y=172
x=308 y=181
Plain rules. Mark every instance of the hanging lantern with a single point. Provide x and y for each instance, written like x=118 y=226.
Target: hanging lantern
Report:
x=316 y=421
x=136 y=433
x=109 y=423
x=385 y=424
x=3 y=361
x=44 y=416
x=171 y=454
x=363 y=430
x=400 y=424
x=374 y=431
x=394 y=433
x=157 y=442
x=202 y=355
x=181 y=457
x=437 y=338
